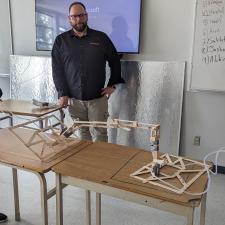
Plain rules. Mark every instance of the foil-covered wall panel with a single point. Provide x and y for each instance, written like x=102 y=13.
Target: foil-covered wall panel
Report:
x=152 y=94
x=31 y=78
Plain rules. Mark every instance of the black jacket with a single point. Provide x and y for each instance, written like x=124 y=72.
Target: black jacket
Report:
x=78 y=64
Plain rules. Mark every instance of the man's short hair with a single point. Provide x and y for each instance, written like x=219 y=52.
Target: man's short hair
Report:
x=77 y=3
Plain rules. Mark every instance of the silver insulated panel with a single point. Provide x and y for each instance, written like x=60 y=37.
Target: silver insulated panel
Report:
x=152 y=94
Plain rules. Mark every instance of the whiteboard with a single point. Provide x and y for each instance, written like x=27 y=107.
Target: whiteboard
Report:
x=208 y=60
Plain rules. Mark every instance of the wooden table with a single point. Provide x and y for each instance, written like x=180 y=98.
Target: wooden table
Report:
x=105 y=169
x=26 y=108
x=14 y=154
x=23 y=108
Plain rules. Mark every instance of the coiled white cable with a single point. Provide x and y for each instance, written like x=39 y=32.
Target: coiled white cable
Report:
x=208 y=171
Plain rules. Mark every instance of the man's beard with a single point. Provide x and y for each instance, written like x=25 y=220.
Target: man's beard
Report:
x=80 y=27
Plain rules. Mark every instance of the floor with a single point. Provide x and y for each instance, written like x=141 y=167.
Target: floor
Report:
x=115 y=212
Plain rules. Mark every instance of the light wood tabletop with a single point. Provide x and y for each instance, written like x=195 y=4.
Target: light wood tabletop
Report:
x=15 y=153
x=25 y=108
x=111 y=165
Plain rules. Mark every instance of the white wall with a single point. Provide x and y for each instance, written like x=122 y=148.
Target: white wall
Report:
x=5 y=37
x=166 y=35
x=5 y=47
x=203 y=115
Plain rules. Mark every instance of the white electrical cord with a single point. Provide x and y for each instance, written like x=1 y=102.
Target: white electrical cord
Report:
x=216 y=153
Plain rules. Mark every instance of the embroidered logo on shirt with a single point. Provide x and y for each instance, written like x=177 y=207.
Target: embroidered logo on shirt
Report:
x=94 y=43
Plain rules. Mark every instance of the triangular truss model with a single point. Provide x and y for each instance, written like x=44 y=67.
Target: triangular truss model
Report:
x=177 y=174
x=173 y=173
x=45 y=143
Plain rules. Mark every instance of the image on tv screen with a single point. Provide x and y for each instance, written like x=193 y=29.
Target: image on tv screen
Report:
x=119 y=19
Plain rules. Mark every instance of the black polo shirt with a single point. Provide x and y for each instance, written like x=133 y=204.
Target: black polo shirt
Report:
x=78 y=64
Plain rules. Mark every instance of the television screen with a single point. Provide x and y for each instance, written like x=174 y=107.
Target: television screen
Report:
x=119 y=19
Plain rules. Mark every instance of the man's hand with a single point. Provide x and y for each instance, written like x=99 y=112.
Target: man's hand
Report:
x=108 y=91
x=63 y=101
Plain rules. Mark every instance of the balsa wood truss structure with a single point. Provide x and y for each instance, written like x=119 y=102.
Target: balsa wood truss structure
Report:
x=48 y=141
x=45 y=143
x=117 y=123
x=177 y=174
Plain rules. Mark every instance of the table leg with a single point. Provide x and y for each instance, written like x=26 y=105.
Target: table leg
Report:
x=16 y=194
x=10 y=119
x=59 y=200
x=203 y=209
x=15 y=178
x=15 y=183
x=41 y=125
x=44 y=198
x=190 y=216
x=62 y=115
x=88 y=207
x=98 y=209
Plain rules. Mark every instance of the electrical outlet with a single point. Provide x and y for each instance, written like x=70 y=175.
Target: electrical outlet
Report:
x=197 y=140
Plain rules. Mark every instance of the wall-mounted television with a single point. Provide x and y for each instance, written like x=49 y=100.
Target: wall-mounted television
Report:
x=119 y=19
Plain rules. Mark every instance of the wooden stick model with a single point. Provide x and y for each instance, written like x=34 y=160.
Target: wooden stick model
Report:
x=50 y=138
x=43 y=142
x=181 y=166
x=126 y=125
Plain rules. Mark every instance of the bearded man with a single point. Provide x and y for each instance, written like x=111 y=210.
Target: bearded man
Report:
x=79 y=59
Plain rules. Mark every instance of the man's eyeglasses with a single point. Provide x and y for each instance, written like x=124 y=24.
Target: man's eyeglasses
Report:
x=76 y=16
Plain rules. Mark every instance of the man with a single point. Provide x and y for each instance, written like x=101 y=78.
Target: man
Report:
x=3 y=218
x=78 y=64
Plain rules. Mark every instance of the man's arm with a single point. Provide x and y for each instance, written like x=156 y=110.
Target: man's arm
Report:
x=114 y=63
x=58 y=74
